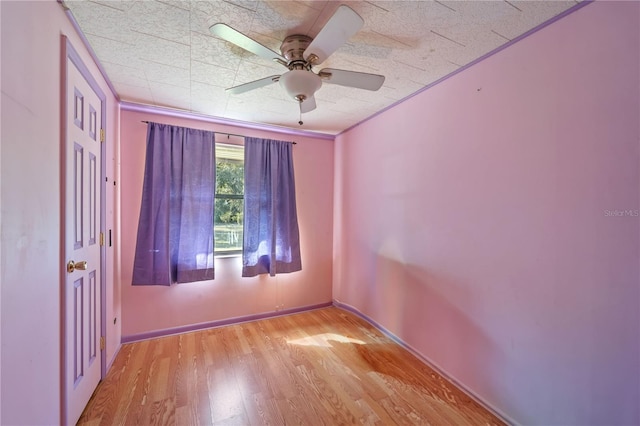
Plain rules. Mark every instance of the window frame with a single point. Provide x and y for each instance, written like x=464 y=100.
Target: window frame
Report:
x=238 y=252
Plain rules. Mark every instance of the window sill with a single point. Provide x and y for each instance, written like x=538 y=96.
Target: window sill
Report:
x=227 y=255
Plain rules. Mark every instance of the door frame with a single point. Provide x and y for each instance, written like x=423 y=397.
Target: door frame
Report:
x=69 y=53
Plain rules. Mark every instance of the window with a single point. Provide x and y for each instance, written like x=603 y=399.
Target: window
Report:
x=229 y=199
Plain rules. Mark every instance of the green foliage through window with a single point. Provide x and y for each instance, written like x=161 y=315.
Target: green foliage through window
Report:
x=229 y=200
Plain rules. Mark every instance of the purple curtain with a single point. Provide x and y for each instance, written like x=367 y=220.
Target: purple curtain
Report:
x=271 y=239
x=175 y=231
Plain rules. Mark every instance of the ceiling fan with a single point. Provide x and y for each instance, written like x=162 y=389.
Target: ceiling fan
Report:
x=300 y=53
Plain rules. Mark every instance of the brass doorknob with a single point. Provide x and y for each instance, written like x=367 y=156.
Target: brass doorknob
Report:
x=72 y=266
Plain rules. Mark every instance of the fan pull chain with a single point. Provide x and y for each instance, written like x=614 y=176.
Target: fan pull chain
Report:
x=300 y=105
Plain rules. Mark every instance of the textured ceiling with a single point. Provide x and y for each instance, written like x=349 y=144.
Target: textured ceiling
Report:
x=162 y=53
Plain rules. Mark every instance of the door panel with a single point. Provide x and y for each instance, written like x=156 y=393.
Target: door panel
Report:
x=82 y=292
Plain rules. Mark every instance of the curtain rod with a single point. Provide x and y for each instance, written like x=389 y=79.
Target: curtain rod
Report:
x=223 y=133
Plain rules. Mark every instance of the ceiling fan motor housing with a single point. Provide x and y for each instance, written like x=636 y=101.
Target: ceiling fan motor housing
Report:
x=292 y=48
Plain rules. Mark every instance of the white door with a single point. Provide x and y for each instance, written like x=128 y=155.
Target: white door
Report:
x=82 y=292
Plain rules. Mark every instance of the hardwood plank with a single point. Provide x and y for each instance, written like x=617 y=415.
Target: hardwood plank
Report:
x=326 y=366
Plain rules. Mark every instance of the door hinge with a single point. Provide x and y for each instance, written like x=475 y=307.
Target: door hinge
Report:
x=102 y=343
x=101 y=239
x=101 y=135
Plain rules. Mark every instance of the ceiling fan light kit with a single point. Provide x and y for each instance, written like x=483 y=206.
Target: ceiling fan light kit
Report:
x=300 y=84
x=299 y=53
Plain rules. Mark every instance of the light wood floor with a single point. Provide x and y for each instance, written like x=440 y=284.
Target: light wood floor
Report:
x=320 y=367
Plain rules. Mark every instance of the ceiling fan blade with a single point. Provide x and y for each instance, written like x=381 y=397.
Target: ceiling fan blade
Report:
x=227 y=33
x=308 y=104
x=253 y=85
x=360 y=80
x=341 y=26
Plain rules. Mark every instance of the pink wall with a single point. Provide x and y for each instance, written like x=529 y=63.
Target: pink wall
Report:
x=31 y=258
x=470 y=221
x=152 y=308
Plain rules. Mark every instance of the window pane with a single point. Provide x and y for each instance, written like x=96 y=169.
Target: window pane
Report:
x=229 y=201
x=228 y=225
